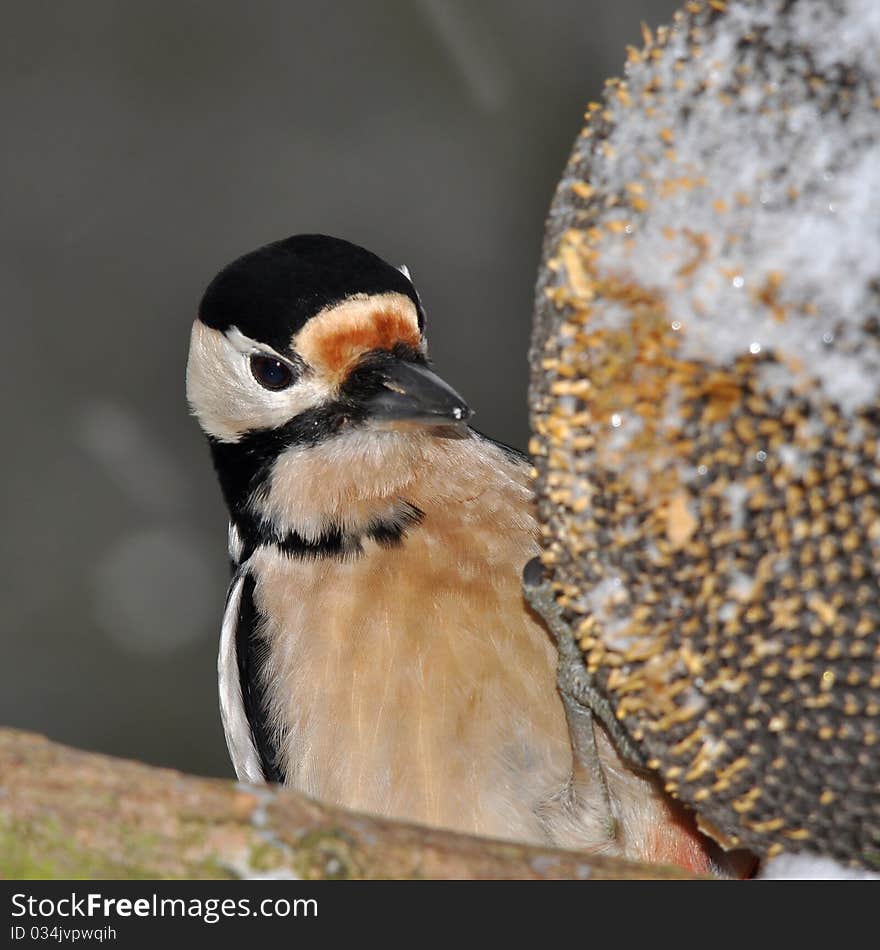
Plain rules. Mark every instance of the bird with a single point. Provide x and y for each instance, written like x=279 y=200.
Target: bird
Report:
x=376 y=649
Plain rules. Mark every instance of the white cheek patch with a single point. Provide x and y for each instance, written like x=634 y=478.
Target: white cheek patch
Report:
x=223 y=393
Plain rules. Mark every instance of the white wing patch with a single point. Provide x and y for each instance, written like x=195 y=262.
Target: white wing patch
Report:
x=239 y=740
x=405 y=271
x=235 y=545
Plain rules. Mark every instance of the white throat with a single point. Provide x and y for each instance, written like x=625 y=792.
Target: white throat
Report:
x=353 y=481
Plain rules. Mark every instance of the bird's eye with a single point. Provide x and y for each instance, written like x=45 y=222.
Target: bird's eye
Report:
x=271 y=373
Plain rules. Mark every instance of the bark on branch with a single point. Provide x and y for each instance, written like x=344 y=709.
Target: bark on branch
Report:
x=67 y=813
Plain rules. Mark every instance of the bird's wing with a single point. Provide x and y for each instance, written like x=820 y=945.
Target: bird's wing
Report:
x=239 y=738
x=252 y=748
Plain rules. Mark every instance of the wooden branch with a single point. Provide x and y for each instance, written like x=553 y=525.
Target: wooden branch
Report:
x=67 y=813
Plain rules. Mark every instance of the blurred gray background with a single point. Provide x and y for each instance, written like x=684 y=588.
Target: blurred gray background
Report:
x=145 y=145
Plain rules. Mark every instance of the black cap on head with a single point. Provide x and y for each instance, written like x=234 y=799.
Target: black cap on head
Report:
x=272 y=292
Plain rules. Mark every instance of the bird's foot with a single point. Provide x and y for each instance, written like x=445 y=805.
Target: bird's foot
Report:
x=576 y=685
x=589 y=784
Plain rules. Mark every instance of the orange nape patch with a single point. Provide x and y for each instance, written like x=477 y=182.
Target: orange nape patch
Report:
x=334 y=340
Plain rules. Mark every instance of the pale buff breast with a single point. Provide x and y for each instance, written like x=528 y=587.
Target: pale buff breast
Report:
x=413 y=681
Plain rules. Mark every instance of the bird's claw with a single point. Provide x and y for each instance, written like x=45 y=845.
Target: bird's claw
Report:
x=575 y=684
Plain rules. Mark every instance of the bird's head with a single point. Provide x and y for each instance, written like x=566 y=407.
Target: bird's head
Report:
x=312 y=350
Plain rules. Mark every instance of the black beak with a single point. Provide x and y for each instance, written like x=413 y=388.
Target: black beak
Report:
x=410 y=392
